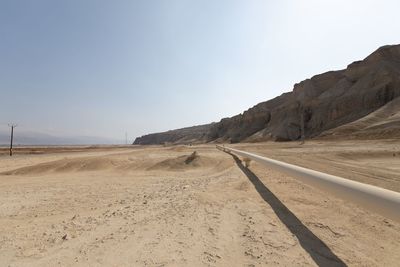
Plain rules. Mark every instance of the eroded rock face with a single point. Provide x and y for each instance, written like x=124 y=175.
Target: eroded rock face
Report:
x=324 y=102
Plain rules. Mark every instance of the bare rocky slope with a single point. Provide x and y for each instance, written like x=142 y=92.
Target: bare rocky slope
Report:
x=382 y=123
x=325 y=102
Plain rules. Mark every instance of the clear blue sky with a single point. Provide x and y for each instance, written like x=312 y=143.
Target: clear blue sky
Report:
x=92 y=67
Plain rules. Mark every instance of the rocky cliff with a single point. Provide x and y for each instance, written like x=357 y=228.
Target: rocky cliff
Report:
x=323 y=102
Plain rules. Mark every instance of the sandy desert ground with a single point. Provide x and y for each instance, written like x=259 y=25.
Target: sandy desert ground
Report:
x=156 y=206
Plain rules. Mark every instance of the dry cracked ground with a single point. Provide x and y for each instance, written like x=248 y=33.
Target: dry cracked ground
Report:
x=164 y=206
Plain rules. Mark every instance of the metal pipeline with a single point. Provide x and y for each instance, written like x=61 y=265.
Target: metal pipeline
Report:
x=379 y=200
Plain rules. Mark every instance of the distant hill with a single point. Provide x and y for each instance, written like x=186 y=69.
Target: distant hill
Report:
x=35 y=138
x=325 y=102
x=194 y=134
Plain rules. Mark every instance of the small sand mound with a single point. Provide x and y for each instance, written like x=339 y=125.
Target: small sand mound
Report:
x=191 y=158
x=178 y=148
x=185 y=162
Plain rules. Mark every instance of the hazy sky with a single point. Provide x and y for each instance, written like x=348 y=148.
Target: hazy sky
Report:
x=92 y=67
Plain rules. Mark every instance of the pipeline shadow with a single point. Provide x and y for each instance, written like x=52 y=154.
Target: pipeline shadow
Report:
x=315 y=247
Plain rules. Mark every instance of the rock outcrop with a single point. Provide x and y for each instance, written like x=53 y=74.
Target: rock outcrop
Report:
x=323 y=102
x=194 y=134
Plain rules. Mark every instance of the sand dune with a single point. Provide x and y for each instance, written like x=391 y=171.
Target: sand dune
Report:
x=66 y=166
x=116 y=163
x=185 y=162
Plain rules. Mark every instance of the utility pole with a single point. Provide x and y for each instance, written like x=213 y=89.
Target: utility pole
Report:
x=12 y=136
x=302 y=126
x=302 y=134
x=126 y=138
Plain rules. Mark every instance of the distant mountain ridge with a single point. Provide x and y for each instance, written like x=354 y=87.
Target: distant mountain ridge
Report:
x=324 y=102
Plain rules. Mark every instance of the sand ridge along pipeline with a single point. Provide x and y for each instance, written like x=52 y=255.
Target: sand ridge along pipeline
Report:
x=123 y=163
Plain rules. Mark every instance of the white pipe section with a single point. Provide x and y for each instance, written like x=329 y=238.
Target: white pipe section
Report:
x=382 y=201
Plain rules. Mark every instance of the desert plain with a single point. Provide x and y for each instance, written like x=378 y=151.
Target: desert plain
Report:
x=165 y=206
